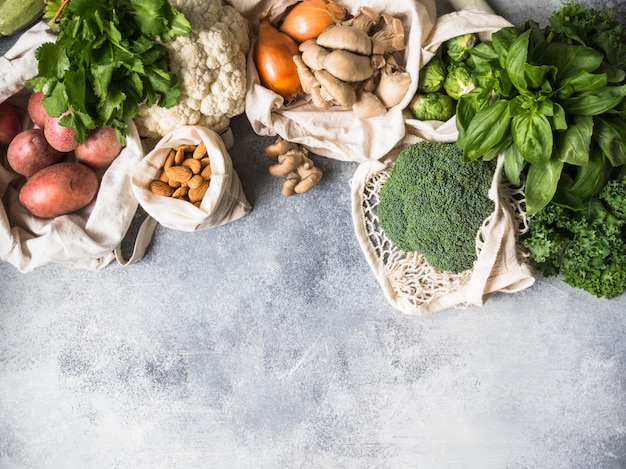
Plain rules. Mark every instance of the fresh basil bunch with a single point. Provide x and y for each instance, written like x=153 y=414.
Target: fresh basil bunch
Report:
x=554 y=106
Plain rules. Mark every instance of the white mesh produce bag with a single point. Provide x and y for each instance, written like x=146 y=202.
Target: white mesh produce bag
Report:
x=414 y=287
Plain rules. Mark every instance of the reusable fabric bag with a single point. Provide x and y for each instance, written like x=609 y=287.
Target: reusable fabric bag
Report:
x=337 y=133
x=409 y=283
x=89 y=238
x=224 y=201
x=447 y=27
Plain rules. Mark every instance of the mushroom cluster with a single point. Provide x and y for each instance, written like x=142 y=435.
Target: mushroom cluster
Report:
x=353 y=64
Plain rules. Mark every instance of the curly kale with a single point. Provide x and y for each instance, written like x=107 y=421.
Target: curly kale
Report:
x=591 y=27
x=587 y=247
x=434 y=204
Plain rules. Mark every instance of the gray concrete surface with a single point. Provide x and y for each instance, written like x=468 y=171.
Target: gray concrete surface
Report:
x=267 y=344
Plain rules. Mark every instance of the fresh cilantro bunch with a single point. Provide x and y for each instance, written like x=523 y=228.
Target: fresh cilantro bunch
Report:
x=107 y=58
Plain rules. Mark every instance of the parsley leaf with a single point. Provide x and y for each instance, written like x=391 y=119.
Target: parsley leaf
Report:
x=107 y=58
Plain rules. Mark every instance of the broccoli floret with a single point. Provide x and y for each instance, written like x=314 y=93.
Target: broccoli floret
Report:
x=587 y=247
x=434 y=204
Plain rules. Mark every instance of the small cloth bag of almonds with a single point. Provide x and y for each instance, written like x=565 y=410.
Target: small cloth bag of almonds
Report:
x=187 y=182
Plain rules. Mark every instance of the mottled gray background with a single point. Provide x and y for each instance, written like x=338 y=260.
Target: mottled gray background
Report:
x=267 y=343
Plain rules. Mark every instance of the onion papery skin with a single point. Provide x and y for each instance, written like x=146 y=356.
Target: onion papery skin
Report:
x=307 y=20
x=273 y=58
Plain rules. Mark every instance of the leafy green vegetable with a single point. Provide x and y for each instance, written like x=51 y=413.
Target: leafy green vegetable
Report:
x=458 y=80
x=434 y=204
x=107 y=58
x=432 y=75
x=559 y=96
x=445 y=77
x=457 y=48
x=432 y=106
x=587 y=246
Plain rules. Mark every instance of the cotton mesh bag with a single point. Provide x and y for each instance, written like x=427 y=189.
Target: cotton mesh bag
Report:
x=408 y=281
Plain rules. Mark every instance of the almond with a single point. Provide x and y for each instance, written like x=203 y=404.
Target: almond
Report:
x=181 y=192
x=161 y=188
x=206 y=161
x=169 y=161
x=196 y=194
x=179 y=173
x=195 y=181
x=179 y=157
x=192 y=164
x=163 y=177
x=206 y=173
x=200 y=151
x=185 y=148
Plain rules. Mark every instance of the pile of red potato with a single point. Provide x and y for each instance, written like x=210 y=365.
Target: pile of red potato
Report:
x=61 y=175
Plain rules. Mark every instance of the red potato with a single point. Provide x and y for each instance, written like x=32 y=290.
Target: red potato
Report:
x=61 y=138
x=36 y=111
x=59 y=189
x=10 y=124
x=30 y=152
x=99 y=149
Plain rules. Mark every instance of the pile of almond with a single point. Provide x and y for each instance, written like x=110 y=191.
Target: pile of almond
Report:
x=185 y=175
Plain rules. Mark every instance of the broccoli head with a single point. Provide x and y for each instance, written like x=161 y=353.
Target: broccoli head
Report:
x=434 y=204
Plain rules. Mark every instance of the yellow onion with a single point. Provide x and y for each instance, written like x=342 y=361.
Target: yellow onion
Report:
x=308 y=18
x=273 y=58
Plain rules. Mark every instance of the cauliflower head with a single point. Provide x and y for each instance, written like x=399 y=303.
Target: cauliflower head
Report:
x=211 y=66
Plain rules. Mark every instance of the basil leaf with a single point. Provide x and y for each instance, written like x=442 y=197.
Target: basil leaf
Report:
x=610 y=135
x=582 y=81
x=570 y=60
x=592 y=103
x=515 y=62
x=541 y=184
x=514 y=164
x=572 y=145
x=532 y=135
x=483 y=52
x=502 y=40
x=564 y=195
x=591 y=178
x=559 y=122
x=536 y=75
x=486 y=129
x=467 y=107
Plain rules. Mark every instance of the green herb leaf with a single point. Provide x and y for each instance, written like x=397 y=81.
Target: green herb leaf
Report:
x=591 y=178
x=515 y=62
x=532 y=135
x=541 y=184
x=514 y=164
x=572 y=146
x=486 y=129
x=610 y=135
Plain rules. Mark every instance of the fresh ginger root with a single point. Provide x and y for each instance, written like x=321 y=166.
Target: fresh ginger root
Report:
x=293 y=162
